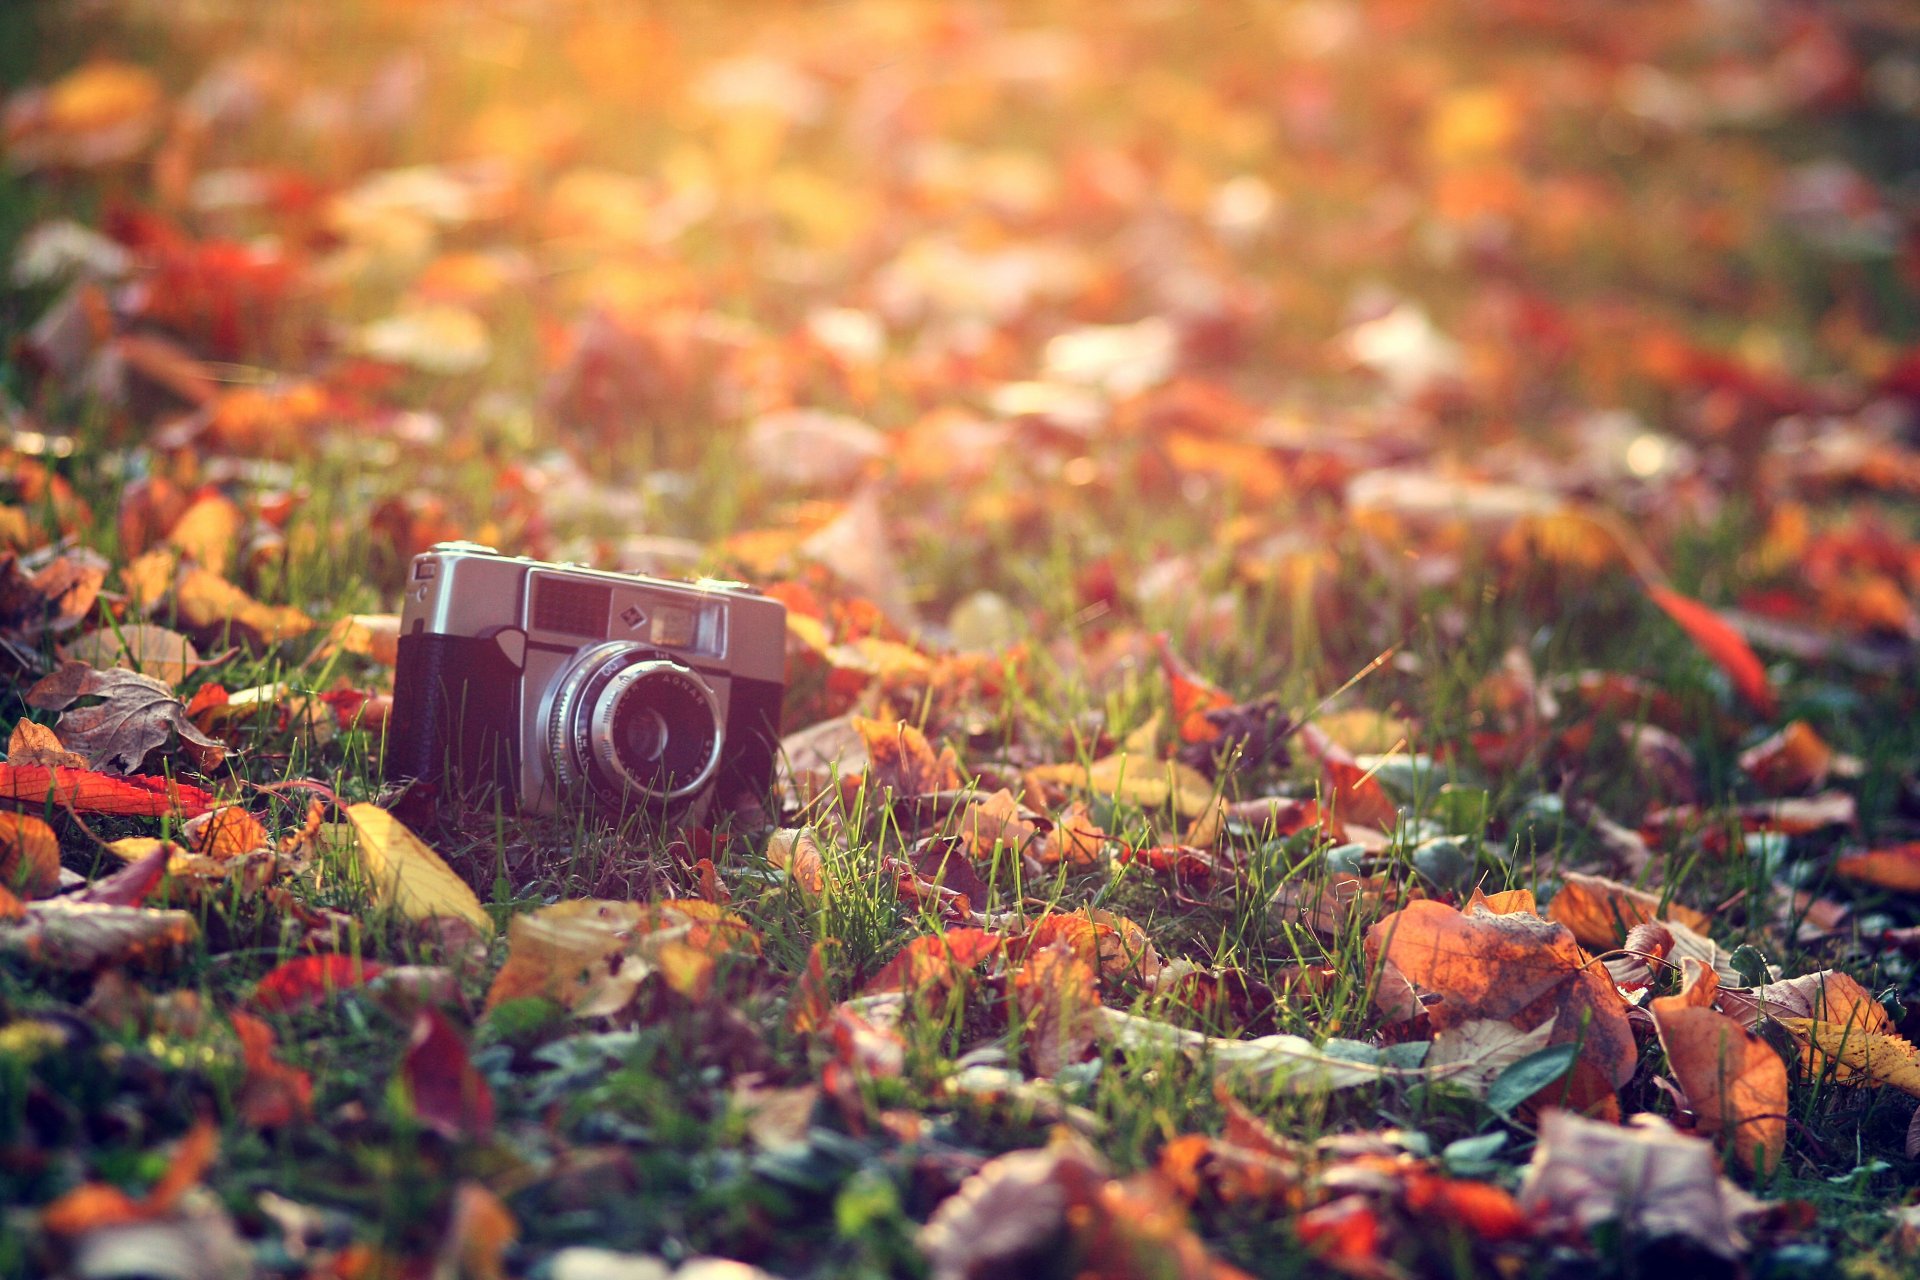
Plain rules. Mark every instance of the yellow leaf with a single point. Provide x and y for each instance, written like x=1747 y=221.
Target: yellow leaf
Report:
x=1145 y=782
x=1882 y=1059
x=29 y=855
x=564 y=951
x=407 y=874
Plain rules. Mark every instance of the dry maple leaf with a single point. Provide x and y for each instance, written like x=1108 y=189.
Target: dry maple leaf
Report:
x=1656 y=1182
x=1734 y=1081
x=1512 y=968
x=136 y=717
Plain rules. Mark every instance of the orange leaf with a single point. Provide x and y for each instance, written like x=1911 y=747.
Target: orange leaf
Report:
x=1193 y=695
x=1600 y=911
x=936 y=961
x=29 y=854
x=1720 y=642
x=1735 y=1083
x=95 y=1205
x=1056 y=992
x=1896 y=867
x=135 y=795
x=903 y=760
x=274 y=1093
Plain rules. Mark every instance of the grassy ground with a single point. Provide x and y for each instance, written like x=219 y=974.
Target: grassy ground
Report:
x=1214 y=505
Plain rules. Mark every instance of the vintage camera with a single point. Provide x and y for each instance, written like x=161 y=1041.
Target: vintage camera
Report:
x=553 y=684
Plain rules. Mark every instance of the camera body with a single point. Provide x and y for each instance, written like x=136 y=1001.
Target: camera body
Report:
x=553 y=683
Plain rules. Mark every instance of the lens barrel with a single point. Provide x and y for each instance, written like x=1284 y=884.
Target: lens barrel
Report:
x=629 y=722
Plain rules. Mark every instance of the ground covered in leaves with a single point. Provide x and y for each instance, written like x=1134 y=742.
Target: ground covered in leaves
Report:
x=1352 y=617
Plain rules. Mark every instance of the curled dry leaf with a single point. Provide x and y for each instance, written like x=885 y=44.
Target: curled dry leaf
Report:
x=226 y=832
x=1795 y=759
x=29 y=855
x=565 y=952
x=1735 y=1083
x=931 y=965
x=796 y=851
x=1652 y=1180
x=996 y=822
x=33 y=744
x=1828 y=998
x=1511 y=968
x=1600 y=912
x=137 y=715
x=1472 y=1054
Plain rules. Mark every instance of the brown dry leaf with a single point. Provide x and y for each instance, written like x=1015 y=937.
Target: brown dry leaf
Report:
x=155 y=651
x=1510 y=968
x=29 y=855
x=902 y=761
x=995 y=822
x=1735 y=1083
x=1503 y=903
x=478 y=1234
x=61 y=933
x=35 y=744
x=1828 y=997
x=137 y=716
x=58 y=597
x=208 y=602
x=1654 y=1181
x=796 y=851
x=1008 y=1218
x=1875 y=1058
x=407 y=875
x=1600 y=911
x=147 y=578
x=1056 y=993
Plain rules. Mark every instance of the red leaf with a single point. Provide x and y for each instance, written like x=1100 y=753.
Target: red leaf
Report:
x=310 y=981
x=274 y=1093
x=1719 y=641
x=449 y=1095
x=136 y=795
x=130 y=885
x=935 y=959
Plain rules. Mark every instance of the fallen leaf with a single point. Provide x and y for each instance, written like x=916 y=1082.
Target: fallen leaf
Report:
x=797 y=852
x=1292 y=1064
x=1735 y=1083
x=930 y=966
x=1600 y=912
x=94 y=1205
x=1873 y=1057
x=137 y=716
x=903 y=762
x=1895 y=867
x=273 y=1094
x=1720 y=642
x=62 y=933
x=167 y=656
x=1056 y=992
x=407 y=875
x=1136 y=779
x=1512 y=968
x=478 y=1234
x=307 y=982
x=1653 y=1181
x=1473 y=1054
x=564 y=952
x=226 y=832
x=993 y=823
x=1794 y=759
x=29 y=855
x=33 y=744
x=207 y=602
x=449 y=1094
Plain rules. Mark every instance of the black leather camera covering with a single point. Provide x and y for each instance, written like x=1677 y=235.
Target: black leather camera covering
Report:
x=455 y=719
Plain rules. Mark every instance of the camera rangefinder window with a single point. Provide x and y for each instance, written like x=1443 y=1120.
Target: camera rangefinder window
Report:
x=674 y=627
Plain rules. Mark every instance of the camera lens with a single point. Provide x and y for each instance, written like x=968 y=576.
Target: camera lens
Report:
x=628 y=721
x=661 y=732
